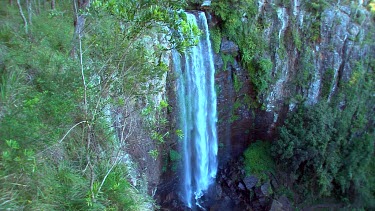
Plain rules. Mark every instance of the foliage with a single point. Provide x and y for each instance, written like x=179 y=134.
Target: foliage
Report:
x=233 y=117
x=149 y=14
x=58 y=147
x=316 y=9
x=238 y=25
x=215 y=35
x=304 y=74
x=326 y=150
x=175 y=159
x=260 y=73
x=237 y=84
x=180 y=134
x=258 y=160
x=328 y=77
x=227 y=59
x=297 y=39
x=155 y=122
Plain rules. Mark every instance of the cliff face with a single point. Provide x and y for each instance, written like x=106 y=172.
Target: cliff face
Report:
x=300 y=52
x=313 y=49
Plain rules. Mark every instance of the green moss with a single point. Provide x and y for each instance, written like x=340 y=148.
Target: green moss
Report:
x=215 y=35
x=261 y=75
x=237 y=84
x=236 y=105
x=233 y=118
x=297 y=39
x=227 y=59
x=258 y=160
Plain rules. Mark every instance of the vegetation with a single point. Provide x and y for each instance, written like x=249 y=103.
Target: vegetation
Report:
x=237 y=23
x=59 y=84
x=215 y=35
x=328 y=149
x=315 y=8
x=258 y=160
x=66 y=66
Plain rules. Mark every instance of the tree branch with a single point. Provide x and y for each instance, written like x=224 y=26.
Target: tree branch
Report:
x=71 y=129
x=23 y=16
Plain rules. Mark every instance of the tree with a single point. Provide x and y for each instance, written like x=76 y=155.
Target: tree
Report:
x=321 y=151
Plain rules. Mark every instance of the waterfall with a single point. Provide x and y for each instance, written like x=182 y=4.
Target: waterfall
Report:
x=197 y=109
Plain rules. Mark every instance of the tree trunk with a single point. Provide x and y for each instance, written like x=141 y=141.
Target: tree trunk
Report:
x=79 y=21
x=37 y=7
x=11 y=2
x=23 y=16
x=29 y=10
x=53 y=4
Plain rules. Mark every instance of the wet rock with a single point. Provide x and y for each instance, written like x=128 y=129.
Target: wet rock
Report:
x=170 y=197
x=285 y=202
x=206 y=3
x=243 y=171
x=229 y=183
x=241 y=186
x=263 y=201
x=265 y=188
x=275 y=184
x=218 y=62
x=258 y=192
x=282 y=204
x=276 y=206
x=250 y=182
x=228 y=47
x=345 y=9
x=353 y=30
x=219 y=191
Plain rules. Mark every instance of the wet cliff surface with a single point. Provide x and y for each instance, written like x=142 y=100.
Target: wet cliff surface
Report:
x=305 y=51
x=312 y=51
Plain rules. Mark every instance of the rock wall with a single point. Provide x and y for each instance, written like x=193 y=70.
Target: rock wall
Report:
x=312 y=53
x=140 y=118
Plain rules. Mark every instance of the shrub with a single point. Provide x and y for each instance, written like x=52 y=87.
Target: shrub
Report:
x=258 y=160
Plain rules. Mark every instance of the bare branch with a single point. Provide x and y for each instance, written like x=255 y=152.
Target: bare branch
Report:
x=23 y=16
x=71 y=129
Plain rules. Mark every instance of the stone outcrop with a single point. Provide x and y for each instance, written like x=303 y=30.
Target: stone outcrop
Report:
x=312 y=54
x=228 y=47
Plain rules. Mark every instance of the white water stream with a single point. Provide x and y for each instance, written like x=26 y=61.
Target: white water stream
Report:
x=198 y=117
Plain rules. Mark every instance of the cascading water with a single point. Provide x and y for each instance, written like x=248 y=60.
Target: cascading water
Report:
x=197 y=107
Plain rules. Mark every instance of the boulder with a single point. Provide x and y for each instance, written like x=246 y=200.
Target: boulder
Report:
x=276 y=206
x=228 y=47
x=229 y=183
x=241 y=186
x=250 y=182
x=274 y=184
x=219 y=191
x=285 y=202
x=258 y=192
x=265 y=189
x=282 y=204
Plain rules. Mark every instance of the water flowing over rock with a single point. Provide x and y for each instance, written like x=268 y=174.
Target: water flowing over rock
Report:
x=197 y=109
